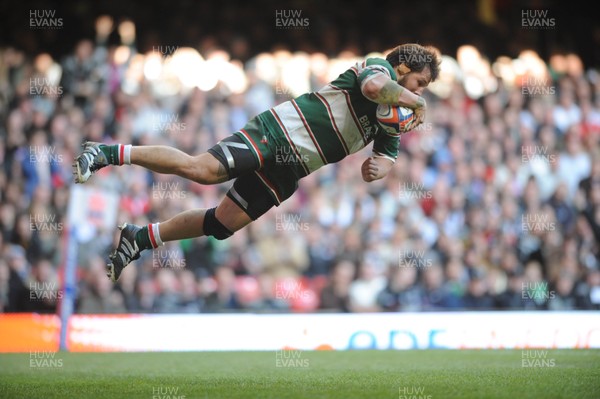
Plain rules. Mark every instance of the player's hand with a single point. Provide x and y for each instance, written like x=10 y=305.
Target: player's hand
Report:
x=411 y=125
x=420 y=114
x=375 y=168
x=370 y=170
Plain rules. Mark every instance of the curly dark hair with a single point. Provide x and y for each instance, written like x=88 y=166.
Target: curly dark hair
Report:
x=416 y=57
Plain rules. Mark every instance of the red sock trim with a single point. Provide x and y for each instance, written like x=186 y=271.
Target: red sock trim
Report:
x=151 y=234
x=121 y=154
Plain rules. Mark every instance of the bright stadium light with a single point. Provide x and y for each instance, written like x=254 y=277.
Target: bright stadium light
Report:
x=152 y=66
x=122 y=54
x=468 y=57
x=187 y=65
x=534 y=65
x=558 y=63
x=503 y=68
x=233 y=76
x=206 y=75
x=295 y=74
x=219 y=67
x=49 y=68
x=266 y=68
x=376 y=55
x=474 y=87
x=519 y=67
x=450 y=73
x=134 y=75
x=319 y=67
x=574 y=65
x=478 y=77
x=281 y=57
x=338 y=66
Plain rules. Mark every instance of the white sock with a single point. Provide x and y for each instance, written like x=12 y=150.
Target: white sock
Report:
x=127 y=154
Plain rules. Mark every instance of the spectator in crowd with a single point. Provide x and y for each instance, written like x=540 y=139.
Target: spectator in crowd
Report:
x=190 y=301
x=169 y=293
x=402 y=294
x=18 y=279
x=563 y=291
x=363 y=291
x=96 y=296
x=512 y=297
x=477 y=296
x=224 y=298
x=335 y=295
x=271 y=298
x=588 y=291
x=436 y=294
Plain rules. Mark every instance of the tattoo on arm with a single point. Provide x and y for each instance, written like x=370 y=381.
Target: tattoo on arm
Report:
x=393 y=93
x=222 y=174
x=389 y=93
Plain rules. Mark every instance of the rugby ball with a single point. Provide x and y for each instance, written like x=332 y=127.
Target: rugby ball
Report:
x=395 y=120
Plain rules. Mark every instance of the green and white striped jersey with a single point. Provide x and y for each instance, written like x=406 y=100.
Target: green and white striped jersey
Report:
x=325 y=126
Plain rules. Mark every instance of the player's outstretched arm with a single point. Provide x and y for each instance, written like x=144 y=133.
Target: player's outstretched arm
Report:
x=383 y=90
x=375 y=168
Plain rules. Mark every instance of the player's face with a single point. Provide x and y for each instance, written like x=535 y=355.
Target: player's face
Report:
x=416 y=82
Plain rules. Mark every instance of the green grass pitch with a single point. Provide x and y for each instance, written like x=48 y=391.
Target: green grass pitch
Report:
x=424 y=374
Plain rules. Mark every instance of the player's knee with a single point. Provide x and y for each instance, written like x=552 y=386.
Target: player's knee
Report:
x=213 y=227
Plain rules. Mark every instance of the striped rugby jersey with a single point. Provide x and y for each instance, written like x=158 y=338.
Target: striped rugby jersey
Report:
x=325 y=126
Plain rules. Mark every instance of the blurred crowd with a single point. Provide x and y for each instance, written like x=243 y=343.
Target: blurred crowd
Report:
x=493 y=204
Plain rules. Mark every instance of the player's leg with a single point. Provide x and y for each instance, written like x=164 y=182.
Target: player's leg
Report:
x=242 y=152
x=190 y=224
x=228 y=159
x=203 y=168
x=247 y=200
x=220 y=222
